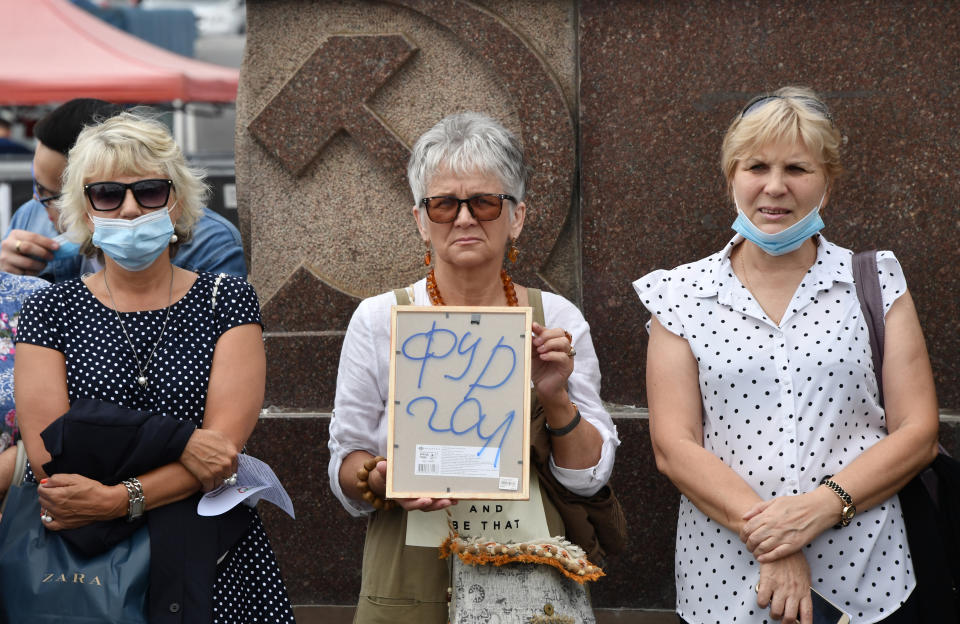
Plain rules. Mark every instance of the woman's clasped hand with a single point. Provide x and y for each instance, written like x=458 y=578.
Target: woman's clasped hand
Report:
x=211 y=457
x=783 y=525
x=72 y=500
x=783 y=587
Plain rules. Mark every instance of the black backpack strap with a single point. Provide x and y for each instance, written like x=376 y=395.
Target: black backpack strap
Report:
x=535 y=297
x=866 y=277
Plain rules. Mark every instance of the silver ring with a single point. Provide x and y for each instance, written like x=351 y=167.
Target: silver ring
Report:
x=231 y=480
x=46 y=517
x=17 y=246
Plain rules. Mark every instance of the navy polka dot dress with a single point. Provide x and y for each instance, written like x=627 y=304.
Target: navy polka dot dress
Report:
x=100 y=365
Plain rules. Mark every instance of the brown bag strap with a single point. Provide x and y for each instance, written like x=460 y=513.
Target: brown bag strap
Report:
x=595 y=523
x=19 y=468
x=535 y=297
x=403 y=297
x=866 y=278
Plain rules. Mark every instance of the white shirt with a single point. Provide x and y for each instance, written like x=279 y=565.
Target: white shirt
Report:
x=360 y=413
x=783 y=405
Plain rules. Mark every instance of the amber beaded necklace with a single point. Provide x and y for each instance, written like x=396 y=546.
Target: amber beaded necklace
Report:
x=508 y=289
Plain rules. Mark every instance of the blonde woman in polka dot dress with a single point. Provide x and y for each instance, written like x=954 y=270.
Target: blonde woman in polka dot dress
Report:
x=761 y=386
x=144 y=334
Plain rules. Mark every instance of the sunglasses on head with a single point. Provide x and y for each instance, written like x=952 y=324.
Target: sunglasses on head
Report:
x=105 y=196
x=445 y=208
x=810 y=103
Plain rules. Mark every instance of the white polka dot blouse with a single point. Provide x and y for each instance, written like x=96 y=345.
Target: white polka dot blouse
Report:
x=783 y=405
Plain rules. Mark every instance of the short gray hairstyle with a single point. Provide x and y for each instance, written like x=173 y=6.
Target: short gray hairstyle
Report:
x=128 y=144
x=464 y=143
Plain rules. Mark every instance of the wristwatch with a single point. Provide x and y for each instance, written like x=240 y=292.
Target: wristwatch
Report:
x=135 y=506
x=849 y=510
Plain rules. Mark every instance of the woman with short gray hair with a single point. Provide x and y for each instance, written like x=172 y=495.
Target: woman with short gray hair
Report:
x=468 y=179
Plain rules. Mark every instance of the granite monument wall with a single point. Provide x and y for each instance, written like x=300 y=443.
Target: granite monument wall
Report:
x=621 y=106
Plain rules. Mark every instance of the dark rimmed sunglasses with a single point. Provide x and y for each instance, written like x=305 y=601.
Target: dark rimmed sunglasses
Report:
x=811 y=103
x=150 y=194
x=485 y=207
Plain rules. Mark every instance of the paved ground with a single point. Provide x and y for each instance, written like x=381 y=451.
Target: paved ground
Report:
x=344 y=615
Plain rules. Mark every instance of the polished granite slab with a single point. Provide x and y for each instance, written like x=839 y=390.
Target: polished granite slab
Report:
x=660 y=83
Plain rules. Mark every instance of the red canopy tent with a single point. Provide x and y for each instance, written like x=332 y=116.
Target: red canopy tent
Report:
x=53 y=51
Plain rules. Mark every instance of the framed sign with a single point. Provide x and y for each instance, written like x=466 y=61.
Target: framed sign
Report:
x=459 y=403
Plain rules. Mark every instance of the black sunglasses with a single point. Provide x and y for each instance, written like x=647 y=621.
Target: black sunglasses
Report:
x=485 y=207
x=813 y=104
x=106 y=196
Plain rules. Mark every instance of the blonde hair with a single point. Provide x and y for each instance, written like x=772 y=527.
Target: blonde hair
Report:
x=790 y=114
x=128 y=144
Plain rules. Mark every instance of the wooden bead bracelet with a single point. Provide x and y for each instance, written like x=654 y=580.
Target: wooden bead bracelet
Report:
x=363 y=477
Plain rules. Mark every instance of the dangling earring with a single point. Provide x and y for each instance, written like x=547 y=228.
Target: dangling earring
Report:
x=426 y=257
x=514 y=252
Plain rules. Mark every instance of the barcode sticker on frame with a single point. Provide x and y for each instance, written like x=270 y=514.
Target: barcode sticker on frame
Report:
x=427 y=460
x=456 y=461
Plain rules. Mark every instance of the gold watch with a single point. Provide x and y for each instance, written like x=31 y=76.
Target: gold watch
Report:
x=849 y=510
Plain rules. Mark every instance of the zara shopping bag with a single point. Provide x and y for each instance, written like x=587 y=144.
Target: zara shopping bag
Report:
x=43 y=580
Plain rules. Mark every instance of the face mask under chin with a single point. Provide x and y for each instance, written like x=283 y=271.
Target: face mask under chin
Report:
x=786 y=240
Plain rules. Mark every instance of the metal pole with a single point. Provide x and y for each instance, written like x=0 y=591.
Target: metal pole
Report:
x=6 y=208
x=191 y=138
x=179 y=124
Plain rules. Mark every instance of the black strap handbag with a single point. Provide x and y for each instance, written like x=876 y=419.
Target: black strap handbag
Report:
x=931 y=500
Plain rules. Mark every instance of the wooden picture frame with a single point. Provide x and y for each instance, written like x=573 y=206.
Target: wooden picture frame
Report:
x=459 y=405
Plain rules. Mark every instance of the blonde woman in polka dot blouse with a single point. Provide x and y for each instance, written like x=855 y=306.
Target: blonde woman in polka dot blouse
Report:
x=761 y=385
x=146 y=335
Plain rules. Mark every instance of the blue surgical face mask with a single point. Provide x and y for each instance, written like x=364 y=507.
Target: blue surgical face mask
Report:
x=134 y=245
x=67 y=248
x=784 y=241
